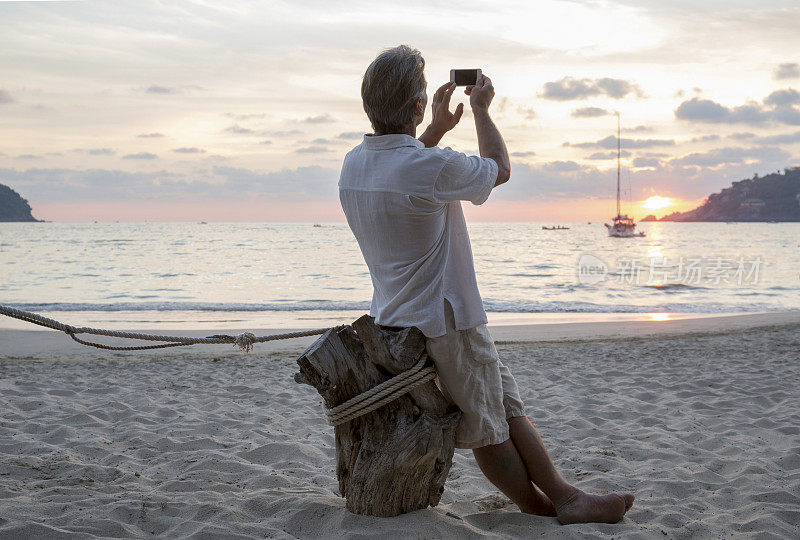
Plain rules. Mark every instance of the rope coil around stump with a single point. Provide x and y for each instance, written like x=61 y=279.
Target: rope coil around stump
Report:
x=363 y=403
x=380 y=395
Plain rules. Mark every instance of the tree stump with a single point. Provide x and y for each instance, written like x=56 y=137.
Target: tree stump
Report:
x=394 y=459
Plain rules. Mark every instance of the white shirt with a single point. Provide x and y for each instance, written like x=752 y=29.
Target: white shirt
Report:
x=403 y=204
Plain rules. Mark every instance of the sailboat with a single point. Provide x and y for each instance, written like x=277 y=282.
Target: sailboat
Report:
x=623 y=226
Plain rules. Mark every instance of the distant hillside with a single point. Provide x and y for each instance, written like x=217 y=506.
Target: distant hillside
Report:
x=775 y=197
x=13 y=207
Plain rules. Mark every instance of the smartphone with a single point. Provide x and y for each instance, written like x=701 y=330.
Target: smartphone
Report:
x=464 y=77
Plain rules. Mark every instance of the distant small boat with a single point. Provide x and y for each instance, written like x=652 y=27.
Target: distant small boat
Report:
x=555 y=228
x=203 y=223
x=317 y=225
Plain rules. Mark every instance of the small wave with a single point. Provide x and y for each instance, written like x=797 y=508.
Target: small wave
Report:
x=675 y=287
x=503 y=306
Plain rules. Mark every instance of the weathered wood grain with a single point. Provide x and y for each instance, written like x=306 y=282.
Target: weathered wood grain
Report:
x=395 y=459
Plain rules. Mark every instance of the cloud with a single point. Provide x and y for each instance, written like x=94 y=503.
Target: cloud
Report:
x=560 y=166
x=554 y=179
x=322 y=141
x=611 y=142
x=350 y=135
x=312 y=150
x=705 y=138
x=780 y=98
x=787 y=115
x=140 y=155
x=220 y=182
x=189 y=150
x=643 y=162
x=246 y=116
x=151 y=135
x=266 y=142
x=96 y=151
x=28 y=156
x=239 y=130
x=529 y=153
x=502 y=104
x=164 y=90
x=787 y=71
x=321 y=119
x=5 y=97
x=285 y=133
x=740 y=136
x=705 y=110
x=92 y=184
x=303 y=183
x=731 y=154
x=570 y=88
x=608 y=155
x=589 y=112
x=639 y=129
x=779 y=106
x=693 y=176
x=526 y=112
x=784 y=138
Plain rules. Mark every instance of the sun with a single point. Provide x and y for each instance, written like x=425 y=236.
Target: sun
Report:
x=657 y=202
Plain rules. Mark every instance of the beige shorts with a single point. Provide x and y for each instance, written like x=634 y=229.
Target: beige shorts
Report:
x=471 y=375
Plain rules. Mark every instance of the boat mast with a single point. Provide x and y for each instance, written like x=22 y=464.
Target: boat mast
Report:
x=618 y=154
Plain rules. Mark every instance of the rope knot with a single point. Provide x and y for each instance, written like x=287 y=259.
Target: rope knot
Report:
x=245 y=341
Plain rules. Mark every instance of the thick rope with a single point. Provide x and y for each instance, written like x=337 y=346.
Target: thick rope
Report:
x=364 y=403
x=244 y=341
x=404 y=390
x=376 y=399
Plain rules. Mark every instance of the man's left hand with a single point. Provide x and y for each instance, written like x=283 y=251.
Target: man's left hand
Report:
x=443 y=120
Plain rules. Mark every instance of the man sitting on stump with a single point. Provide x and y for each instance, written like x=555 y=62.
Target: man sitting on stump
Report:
x=402 y=198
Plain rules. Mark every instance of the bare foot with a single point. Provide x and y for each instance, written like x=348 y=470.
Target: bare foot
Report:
x=540 y=506
x=581 y=507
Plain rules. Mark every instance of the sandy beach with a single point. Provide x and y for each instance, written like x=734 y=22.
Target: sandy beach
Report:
x=699 y=417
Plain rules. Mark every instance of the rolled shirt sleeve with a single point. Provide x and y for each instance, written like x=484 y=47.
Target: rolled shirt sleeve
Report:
x=465 y=178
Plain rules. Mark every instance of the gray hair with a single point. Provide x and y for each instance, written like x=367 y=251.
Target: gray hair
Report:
x=391 y=86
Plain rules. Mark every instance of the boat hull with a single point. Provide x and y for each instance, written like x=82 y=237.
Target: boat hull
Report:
x=623 y=232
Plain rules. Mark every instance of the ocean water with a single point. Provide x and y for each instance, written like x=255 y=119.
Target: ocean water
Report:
x=258 y=275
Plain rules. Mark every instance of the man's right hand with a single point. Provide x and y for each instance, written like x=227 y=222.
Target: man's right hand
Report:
x=480 y=94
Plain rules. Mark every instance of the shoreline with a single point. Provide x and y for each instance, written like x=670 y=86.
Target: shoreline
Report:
x=202 y=320
x=39 y=342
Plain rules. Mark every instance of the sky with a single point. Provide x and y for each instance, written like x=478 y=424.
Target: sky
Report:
x=243 y=111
